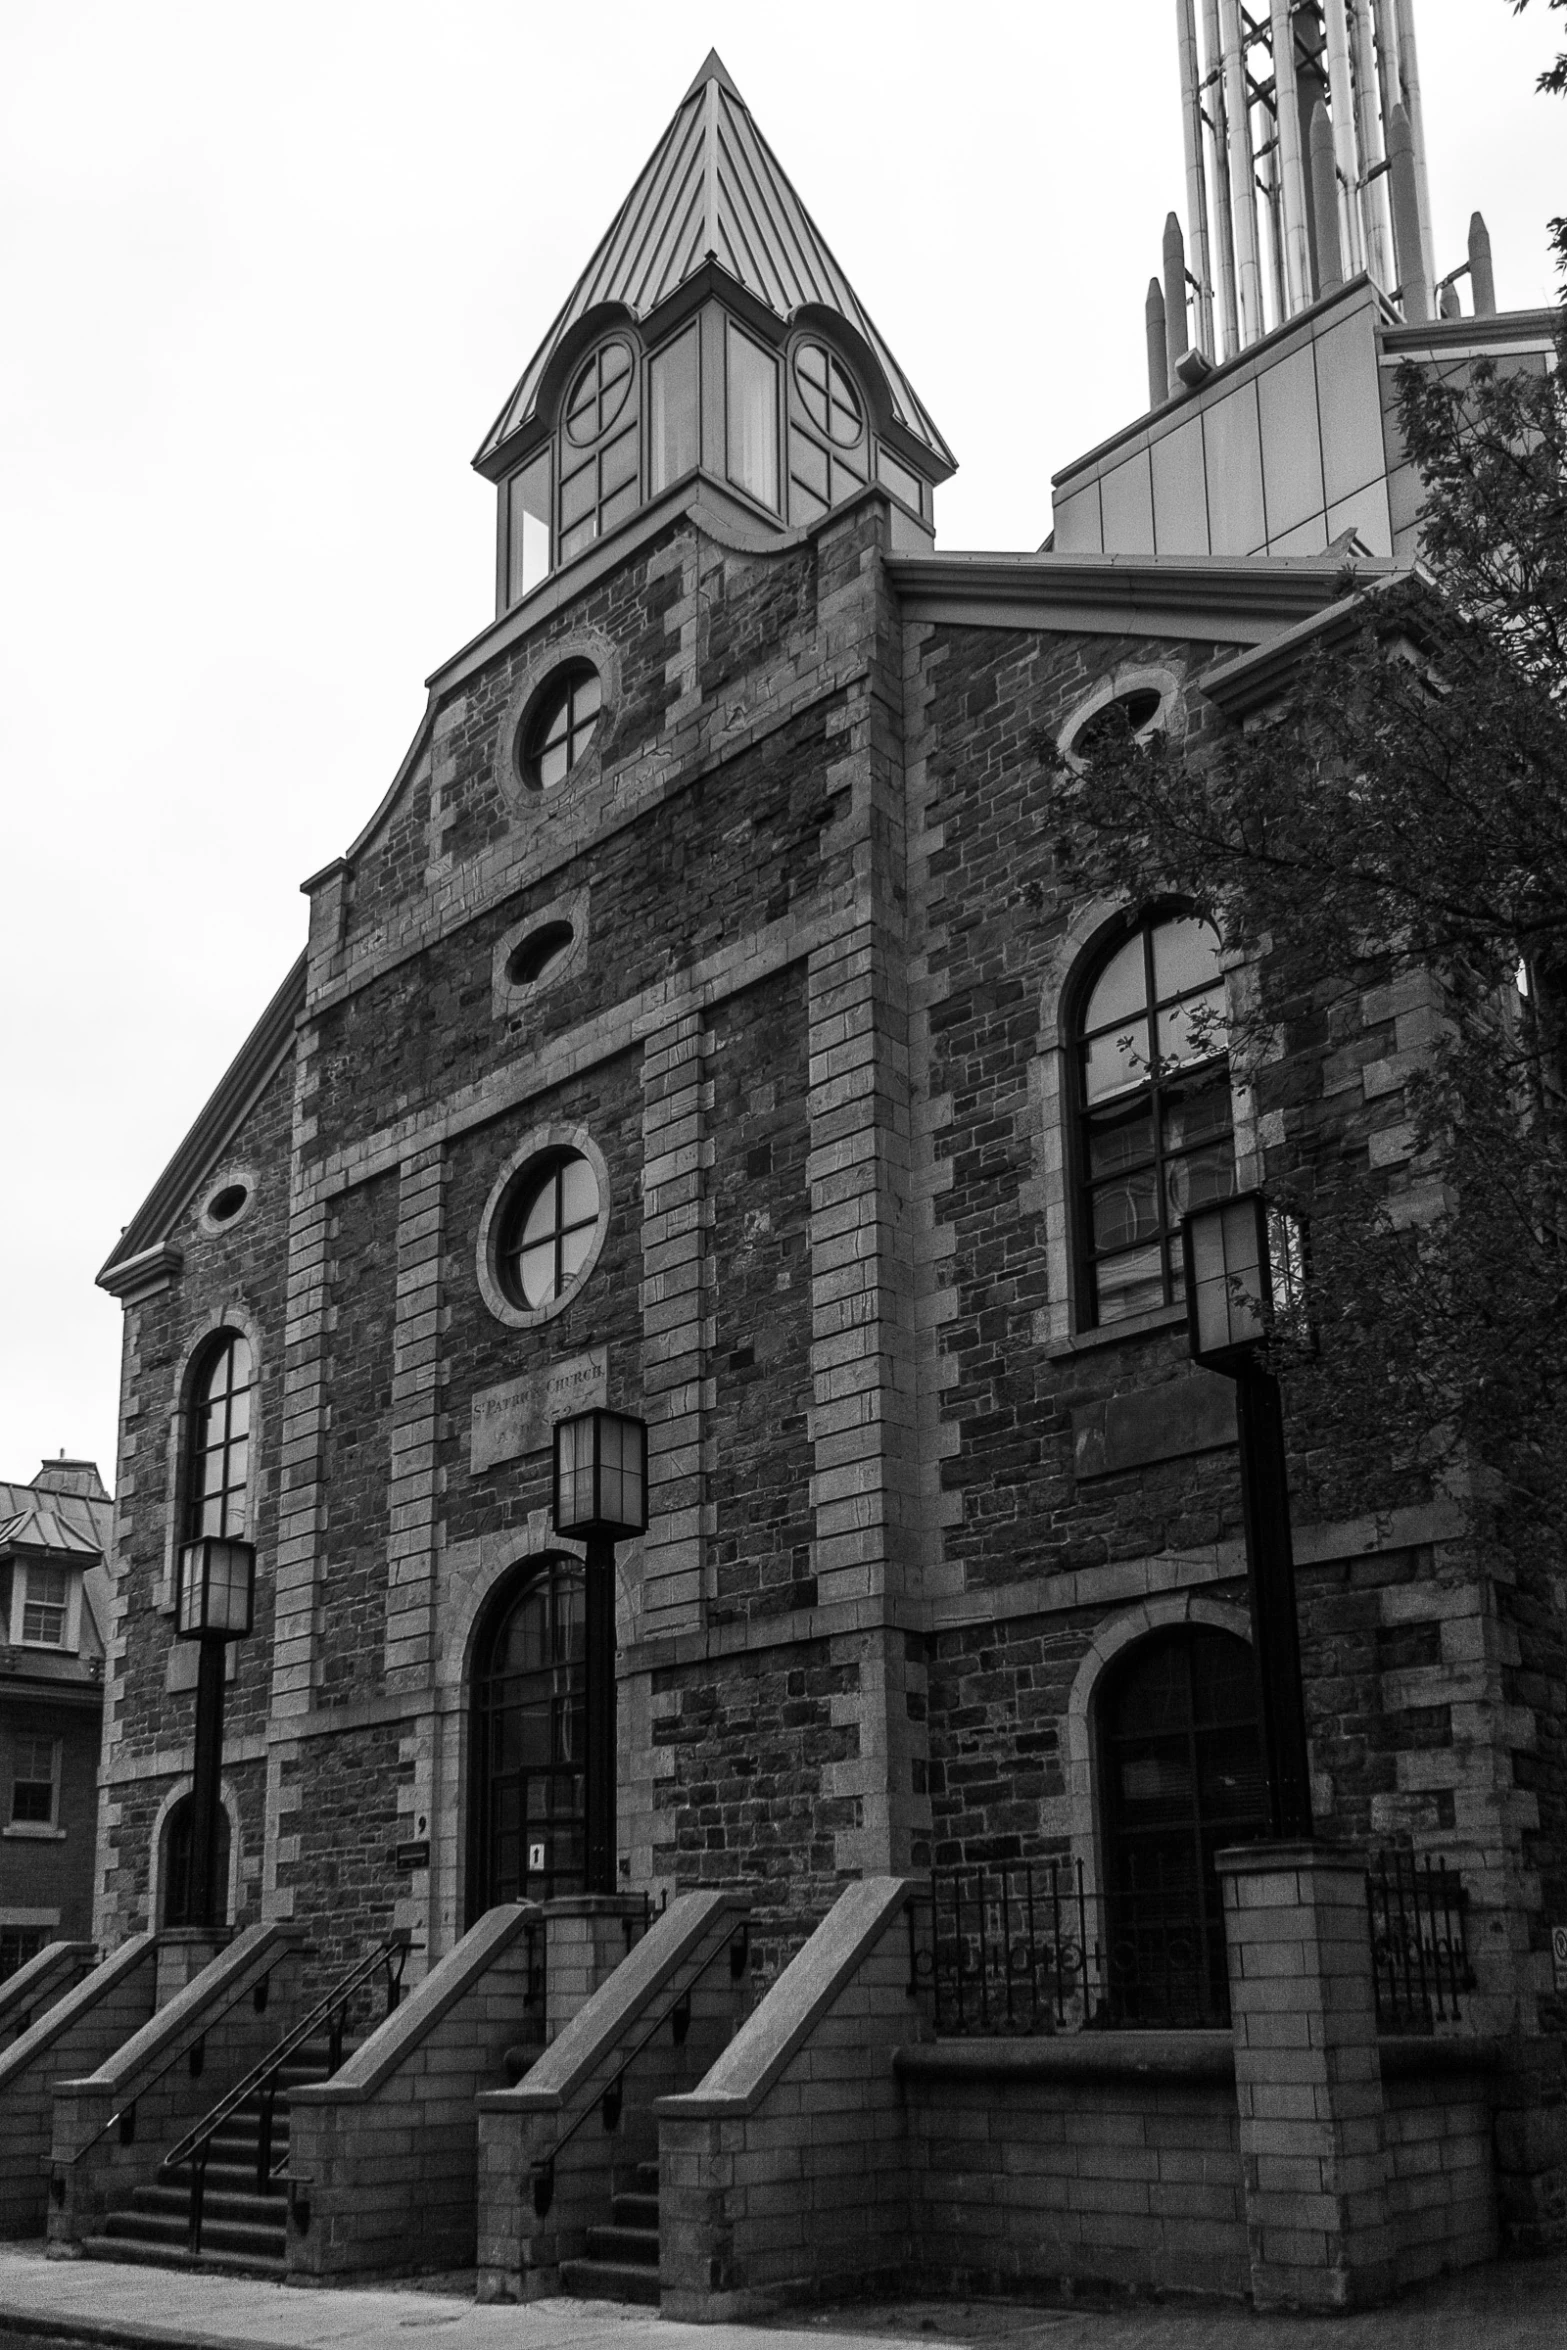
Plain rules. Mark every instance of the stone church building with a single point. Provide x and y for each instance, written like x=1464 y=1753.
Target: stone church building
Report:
x=710 y=1022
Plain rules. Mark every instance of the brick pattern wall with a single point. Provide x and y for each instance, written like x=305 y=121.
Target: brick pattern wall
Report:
x=743 y=1787
x=1049 y=2184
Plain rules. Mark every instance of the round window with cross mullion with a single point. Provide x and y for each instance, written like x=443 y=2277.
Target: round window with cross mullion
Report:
x=547 y=1230
x=561 y=725
x=1154 y=1111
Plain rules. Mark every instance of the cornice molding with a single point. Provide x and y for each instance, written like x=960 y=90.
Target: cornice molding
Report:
x=145 y=1237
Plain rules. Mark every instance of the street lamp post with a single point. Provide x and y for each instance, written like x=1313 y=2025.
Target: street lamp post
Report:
x=600 y=1498
x=215 y=1604
x=1243 y=1277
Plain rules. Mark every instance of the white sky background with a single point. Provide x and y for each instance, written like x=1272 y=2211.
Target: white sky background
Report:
x=268 y=274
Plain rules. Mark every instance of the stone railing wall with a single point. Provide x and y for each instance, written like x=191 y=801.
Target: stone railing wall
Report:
x=79 y=2029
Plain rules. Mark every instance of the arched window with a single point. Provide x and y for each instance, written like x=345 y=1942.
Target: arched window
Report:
x=528 y=1744
x=1180 y=1775
x=174 y=1872
x=1153 y=1111
x=598 y=448
x=218 y=1456
x=828 y=449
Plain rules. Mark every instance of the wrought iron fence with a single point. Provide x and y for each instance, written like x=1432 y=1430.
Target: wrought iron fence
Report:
x=1419 y=1946
x=1030 y=1948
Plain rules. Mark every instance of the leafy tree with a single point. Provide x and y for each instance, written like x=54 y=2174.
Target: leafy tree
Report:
x=1388 y=849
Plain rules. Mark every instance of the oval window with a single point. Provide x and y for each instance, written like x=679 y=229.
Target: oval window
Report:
x=827 y=396
x=546 y=1229
x=225 y=1205
x=1129 y=714
x=601 y=390
x=539 y=952
x=560 y=726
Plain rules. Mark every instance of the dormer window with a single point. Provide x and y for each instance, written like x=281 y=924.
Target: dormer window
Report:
x=827 y=440
x=44 y=1602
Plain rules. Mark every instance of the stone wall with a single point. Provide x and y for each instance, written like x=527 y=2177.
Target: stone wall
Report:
x=74 y=2034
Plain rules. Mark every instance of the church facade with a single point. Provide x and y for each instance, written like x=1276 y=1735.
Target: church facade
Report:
x=712 y=1022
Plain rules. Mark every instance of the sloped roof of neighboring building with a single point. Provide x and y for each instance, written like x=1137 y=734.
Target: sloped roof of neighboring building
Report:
x=87 y=1518
x=38 y=1527
x=713 y=189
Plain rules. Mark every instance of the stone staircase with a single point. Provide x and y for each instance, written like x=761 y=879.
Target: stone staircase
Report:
x=241 y=2228
x=622 y=2262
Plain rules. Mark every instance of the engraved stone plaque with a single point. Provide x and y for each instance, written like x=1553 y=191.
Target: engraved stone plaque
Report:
x=517 y=1417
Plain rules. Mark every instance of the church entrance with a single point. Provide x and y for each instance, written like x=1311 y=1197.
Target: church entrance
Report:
x=528 y=1742
x=1182 y=1774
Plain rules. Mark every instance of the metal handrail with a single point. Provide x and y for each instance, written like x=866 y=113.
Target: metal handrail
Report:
x=124 y=2116
x=610 y=2098
x=333 y=2004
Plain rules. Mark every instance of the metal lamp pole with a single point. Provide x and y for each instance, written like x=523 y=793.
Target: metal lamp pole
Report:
x=600 y=1497
x=1243 y=1263
x=215 y=1604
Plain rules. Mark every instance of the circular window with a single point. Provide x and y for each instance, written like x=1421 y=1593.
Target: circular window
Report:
x=538 y=953
x=601 y=390
x=546 y=1230
x=225 y=1205
x=229 y=1199
x=1128 y=715
x=827 y=396
x=561 y=724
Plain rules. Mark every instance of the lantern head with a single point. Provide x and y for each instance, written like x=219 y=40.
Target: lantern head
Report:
x=601 y=1475
x=217 y=1589
x=1244 y=1277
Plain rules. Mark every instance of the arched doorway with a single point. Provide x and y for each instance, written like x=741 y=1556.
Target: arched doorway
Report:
x=528 y=1742
x=174 y=1872
x=1181 y=1774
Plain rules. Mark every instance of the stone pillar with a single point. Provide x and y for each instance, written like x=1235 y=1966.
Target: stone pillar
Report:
x=182 y=1953
x=586 y=1935
x=1308 y=2076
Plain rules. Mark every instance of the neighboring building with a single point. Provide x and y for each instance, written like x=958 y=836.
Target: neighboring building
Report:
x=54 y=1612
x=708 y=1021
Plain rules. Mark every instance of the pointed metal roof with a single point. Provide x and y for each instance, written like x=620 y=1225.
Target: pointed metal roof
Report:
x=713 y=189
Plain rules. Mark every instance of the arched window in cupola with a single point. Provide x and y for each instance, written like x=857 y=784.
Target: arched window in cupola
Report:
x=598 y=447
x=828 y=440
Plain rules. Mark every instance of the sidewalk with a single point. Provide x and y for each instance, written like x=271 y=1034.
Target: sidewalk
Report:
x=1522 y=2306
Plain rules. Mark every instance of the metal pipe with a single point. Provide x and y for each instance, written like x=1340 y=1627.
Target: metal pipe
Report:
x=1242 y=173
x=1176 y=339
x=1324 y=203
x=1345 y=150
x=1414 y=291
x=1482 y=280
x=1409 y=69
x=1375 y=219
x=1158 y=356
x=1293 y=199
x=1219 y=162
x=1196 y=183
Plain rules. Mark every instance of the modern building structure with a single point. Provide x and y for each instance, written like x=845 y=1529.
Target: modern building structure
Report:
x=54 y=1613
x=711 y=1022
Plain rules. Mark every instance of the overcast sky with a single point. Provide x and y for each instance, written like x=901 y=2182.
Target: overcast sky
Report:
x=268 y=274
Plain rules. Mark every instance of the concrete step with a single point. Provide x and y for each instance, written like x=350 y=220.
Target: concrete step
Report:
x=610 y=2280
x=173 y=2201
x=164 y=2256
x=236 y=2238
x=635 y=2211
x=617 y=2244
